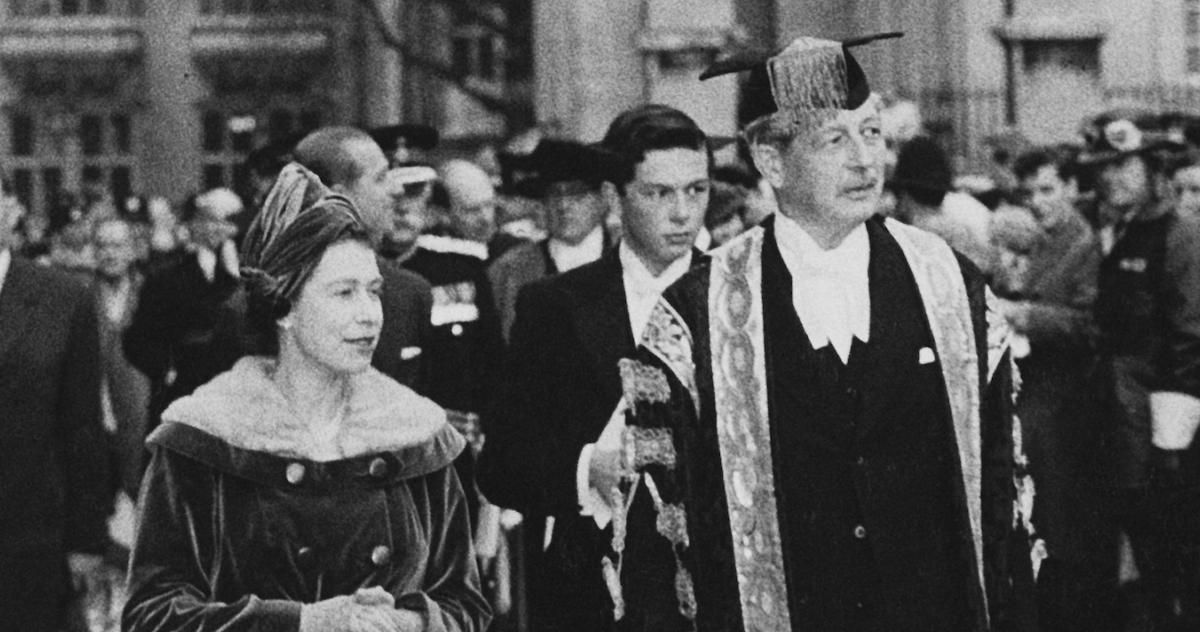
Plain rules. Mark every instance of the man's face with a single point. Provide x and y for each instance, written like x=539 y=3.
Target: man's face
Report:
x=472 y=208
x=1047 y=194
x=663 y=206
x=1125 y=183
x=574 y=210
x=370 y=192
x=1186 y=186
x=115 y=251
x=834 y=173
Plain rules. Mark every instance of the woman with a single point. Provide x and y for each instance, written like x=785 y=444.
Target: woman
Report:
x=302 y=489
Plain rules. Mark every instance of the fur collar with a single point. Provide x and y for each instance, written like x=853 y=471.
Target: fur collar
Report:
x=245 y=408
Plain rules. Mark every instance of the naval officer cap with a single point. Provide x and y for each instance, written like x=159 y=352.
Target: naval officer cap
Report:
x=409 y=135
x=808 y=76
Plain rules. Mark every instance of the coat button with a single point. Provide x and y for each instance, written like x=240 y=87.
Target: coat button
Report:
x=295 y=473
x=305 y=557
x=456 y=330
x=860 y=532
x=378 y=467
x=381 y=555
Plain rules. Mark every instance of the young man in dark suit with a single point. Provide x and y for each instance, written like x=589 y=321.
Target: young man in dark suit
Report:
x=552 y=452
x=54 y=484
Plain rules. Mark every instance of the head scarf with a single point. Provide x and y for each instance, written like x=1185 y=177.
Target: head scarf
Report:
x=272 y=254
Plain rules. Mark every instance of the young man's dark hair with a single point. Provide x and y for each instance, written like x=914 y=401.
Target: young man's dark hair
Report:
x=648 y=128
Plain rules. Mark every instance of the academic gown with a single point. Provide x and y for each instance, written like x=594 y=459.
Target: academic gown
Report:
x=878 y=495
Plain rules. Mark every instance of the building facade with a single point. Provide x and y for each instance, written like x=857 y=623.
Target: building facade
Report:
x=166 y=97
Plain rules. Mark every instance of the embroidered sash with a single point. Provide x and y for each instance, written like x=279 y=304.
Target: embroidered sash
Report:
x=740 y=392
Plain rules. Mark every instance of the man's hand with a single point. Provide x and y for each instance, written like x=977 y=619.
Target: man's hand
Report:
x=604 y=473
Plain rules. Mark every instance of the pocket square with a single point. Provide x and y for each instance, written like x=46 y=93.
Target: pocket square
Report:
x=925 y=356
x=408 y=353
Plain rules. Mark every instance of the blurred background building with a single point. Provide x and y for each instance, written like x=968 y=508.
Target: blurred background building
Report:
x=165 y=97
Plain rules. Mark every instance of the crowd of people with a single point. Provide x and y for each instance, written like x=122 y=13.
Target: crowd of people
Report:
x=806 y=378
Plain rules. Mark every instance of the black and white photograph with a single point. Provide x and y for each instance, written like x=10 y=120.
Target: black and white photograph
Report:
x=599 y=315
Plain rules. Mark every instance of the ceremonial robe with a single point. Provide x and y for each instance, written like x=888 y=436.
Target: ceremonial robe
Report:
x=803 y=495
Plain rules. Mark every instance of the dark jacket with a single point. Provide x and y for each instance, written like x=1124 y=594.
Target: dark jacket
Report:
x=55 y=492
x=559 y=388
x=402 y=352
x=1148 y=311
x=186 y=329
x=464 y=347
x=514 y=270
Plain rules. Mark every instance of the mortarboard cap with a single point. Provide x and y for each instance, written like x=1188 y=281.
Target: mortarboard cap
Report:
x=414 y=136
x=807 y=76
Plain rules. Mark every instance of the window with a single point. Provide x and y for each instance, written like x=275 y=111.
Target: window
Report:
x=1191 y=29
x=51 y=153
x=72 y=8
x=21 y=133
x=263 y=7
x=477 y=52
x=229 y=135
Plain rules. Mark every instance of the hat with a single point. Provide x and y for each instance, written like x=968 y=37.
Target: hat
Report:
x=413 y=135
x=810 y=74
x=922 y=164
x=269 y=160
x=1112 y=136
x=560 y=162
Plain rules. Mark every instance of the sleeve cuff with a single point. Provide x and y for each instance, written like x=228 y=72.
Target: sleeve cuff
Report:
x=1174 y=418
x=590 y=502
x=581 y=475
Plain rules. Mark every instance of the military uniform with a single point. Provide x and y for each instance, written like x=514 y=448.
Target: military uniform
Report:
x=464 y=347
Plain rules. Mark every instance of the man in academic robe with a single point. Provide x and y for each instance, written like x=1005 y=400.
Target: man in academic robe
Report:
x=548 y=449
x=821 y=411
x=568 y=181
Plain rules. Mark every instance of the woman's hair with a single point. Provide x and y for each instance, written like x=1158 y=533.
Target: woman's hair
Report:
x=300 y=220
x=647 y=128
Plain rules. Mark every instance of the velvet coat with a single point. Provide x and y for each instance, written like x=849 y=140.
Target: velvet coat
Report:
x=238 y=528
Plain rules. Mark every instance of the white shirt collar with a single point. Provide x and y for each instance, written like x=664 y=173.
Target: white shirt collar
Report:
x=568 y=257
x=5 y=263
x=830 y=289
x=642 y=288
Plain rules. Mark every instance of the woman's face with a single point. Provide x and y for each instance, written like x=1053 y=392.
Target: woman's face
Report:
x=336 y=319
